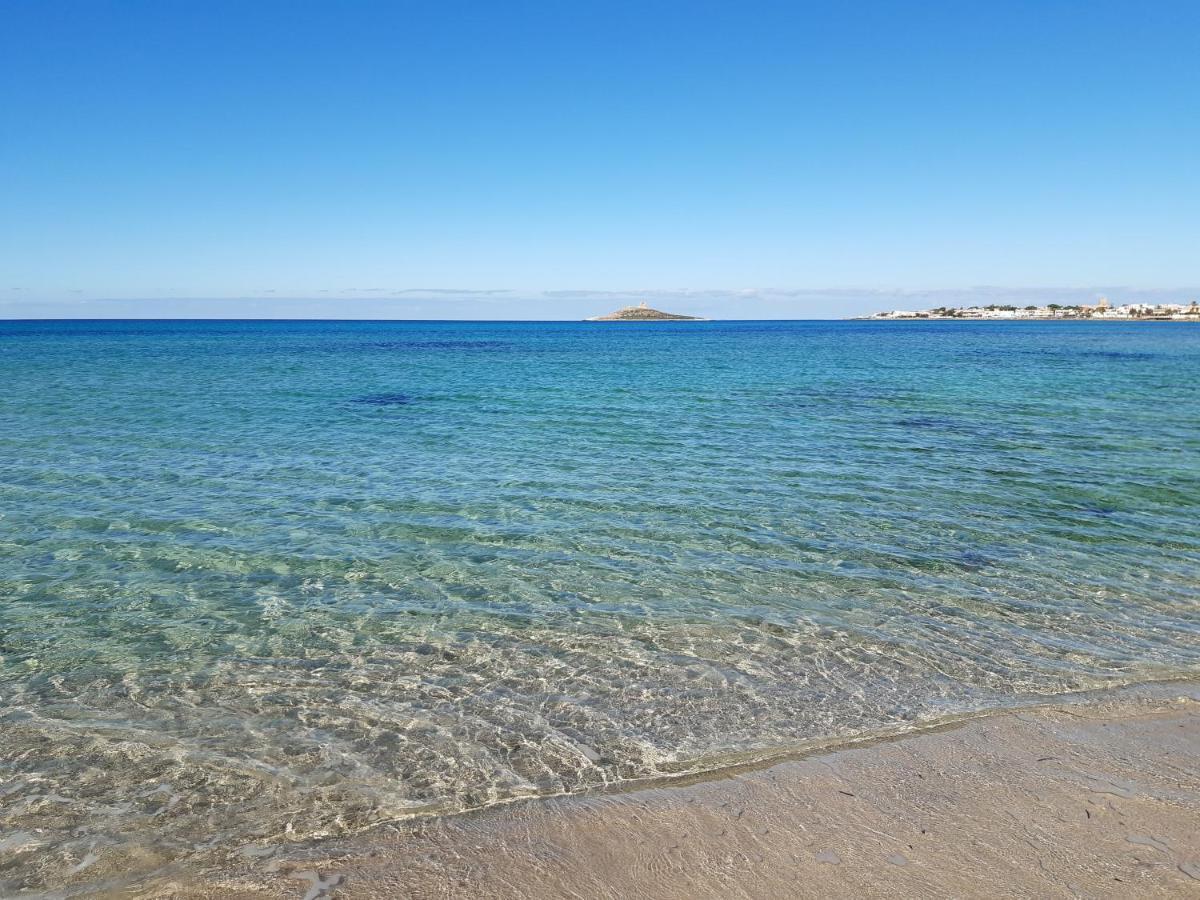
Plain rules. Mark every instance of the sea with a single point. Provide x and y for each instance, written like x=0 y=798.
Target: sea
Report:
x=267 y=583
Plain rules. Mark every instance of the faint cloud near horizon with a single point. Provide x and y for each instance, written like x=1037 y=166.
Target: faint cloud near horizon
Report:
x=561 y=304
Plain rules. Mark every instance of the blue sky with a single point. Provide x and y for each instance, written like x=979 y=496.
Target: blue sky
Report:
x=513 y=160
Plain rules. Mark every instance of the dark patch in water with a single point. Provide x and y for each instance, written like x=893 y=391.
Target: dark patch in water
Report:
x=386 y=399
x=449 y=344
x=937 y=423
x=1073 y=354
x=973 y=561
x=403 y=345
x=1118 y=354
x=825 y=397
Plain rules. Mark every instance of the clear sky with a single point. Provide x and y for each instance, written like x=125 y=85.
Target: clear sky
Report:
x=521 y=159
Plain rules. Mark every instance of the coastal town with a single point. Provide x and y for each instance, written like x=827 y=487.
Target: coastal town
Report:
x=1103 y=309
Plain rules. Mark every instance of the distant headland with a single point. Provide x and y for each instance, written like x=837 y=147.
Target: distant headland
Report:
x=643 y=313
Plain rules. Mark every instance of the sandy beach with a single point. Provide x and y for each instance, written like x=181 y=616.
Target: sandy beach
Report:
x=1096 y=797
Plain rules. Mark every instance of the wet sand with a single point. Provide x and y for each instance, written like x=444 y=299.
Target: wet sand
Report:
x=1097 y=798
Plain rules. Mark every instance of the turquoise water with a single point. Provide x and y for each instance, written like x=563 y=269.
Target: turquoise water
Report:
x=266 y=582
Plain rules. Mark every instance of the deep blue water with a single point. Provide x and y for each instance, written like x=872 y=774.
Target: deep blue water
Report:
x=266 y=581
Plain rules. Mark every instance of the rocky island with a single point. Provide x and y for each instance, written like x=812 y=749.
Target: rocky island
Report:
x=643 y=313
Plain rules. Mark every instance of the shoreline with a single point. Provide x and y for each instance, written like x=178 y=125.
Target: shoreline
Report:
x=1096 y=793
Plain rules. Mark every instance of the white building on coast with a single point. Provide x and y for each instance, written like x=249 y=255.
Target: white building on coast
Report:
x=1102 y=309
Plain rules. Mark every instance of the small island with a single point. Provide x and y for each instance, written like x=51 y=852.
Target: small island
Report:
x=643 y=313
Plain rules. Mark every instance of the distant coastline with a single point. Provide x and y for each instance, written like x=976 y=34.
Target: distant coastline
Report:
x=1101 y=311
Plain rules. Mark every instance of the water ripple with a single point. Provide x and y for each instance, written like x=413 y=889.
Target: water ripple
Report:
x=240 y=608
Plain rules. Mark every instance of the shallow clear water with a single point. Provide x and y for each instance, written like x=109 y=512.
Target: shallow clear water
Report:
x=261 y=582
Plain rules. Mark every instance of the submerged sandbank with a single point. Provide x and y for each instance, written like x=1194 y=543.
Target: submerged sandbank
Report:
x=1097 y=797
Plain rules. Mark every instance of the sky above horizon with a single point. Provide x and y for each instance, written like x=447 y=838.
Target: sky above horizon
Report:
x=554 y=160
